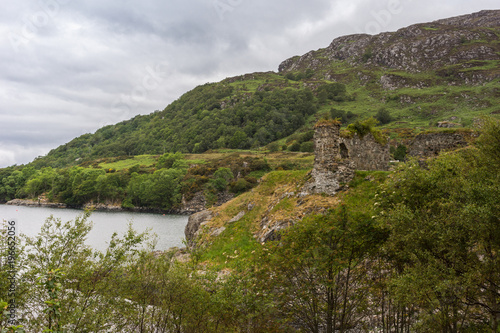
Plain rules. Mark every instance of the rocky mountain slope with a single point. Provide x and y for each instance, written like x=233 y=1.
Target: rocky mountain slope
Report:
x=457 y=48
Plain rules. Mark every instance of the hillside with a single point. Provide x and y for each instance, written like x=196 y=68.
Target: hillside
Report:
x=447 y=70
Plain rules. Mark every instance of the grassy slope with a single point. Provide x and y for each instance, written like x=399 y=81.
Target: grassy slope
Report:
x=272 y=200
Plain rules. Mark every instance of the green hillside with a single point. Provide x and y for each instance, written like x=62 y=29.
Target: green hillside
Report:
x=413 y=78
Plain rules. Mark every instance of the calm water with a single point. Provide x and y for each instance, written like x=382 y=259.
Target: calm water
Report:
x=169 y=228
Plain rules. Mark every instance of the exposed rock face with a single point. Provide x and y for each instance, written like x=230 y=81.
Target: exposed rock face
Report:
x=330 y=168
x=366 y=153
x=448 y=45
x=193 y=226
x=196 y=204
x=431 y=144
x=199 y=203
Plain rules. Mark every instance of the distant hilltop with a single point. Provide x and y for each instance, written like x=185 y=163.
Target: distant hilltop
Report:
x=449 y=46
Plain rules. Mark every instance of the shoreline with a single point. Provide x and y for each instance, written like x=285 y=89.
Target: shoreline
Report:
x=97 y=207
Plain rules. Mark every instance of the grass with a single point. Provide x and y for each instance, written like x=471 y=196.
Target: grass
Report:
x=120 y=164
x=237 y=244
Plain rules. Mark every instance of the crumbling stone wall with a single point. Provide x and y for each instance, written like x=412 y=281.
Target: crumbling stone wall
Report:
x=330 y=169
x=366 y=153
x=336 y=157
x=431 y=144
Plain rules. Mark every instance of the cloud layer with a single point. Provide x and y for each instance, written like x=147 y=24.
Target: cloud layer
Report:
x=70 y=67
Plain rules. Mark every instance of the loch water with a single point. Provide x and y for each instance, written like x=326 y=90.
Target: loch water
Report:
x=168 y=228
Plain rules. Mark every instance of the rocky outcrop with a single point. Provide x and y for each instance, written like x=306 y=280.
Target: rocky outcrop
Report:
x=103 y=207
x=195 y=221
x=198 y=202
x=35 y=203
x=446 y=46
x=431 y=144
x=194 y=205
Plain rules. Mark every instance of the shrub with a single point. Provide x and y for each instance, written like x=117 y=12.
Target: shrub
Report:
x=239 y=186
x=307 y=147
x=273 y=147
x=400 y=153
x=383 y=116
x=295 y=146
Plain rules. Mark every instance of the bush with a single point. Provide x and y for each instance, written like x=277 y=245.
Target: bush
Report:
x=307 y=136
x=287 y=165
x=273 y=147
x=383 y=116
x=307 y=147
x=344 y=117
x=166 y=161
x=295 y=146
x=400 y=153
x=240 y=186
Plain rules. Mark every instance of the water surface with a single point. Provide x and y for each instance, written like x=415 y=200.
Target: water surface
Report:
x=169 y=228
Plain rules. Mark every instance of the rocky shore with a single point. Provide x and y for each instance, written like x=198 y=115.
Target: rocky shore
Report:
x=187 y=207
x=35 y=203
x=102 y=207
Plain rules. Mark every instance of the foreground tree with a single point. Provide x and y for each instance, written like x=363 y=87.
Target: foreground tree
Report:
x=320 y=271
x=444 y=221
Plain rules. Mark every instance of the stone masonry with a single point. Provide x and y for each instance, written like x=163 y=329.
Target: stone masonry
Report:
x=336 y=157
x=366 y=153
x=331 y=170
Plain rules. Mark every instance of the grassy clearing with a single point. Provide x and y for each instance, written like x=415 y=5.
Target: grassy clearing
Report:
x=126 y=163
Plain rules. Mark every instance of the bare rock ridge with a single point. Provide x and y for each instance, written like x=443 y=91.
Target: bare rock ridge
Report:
x=439 y=45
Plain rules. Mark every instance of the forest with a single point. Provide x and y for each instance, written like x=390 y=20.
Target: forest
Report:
x=157 y=187
x=210 y=116
x=415 y=249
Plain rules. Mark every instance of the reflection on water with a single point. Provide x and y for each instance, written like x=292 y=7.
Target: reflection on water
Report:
x=169 y=228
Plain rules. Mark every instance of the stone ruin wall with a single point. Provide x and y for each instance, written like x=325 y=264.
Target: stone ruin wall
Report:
x=366 y=153
x=336 y=158
x=431 y=144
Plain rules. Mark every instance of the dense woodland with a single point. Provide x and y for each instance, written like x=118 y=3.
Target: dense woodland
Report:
x=208 y=117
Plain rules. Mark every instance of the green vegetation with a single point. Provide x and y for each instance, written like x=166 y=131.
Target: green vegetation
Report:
x=416 y=249
x=160 y=185
x=211 y=116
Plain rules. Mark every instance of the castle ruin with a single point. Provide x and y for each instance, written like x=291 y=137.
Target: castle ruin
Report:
x=336 y=158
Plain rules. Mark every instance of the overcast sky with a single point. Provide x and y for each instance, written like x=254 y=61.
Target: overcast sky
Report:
x=69 y=67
